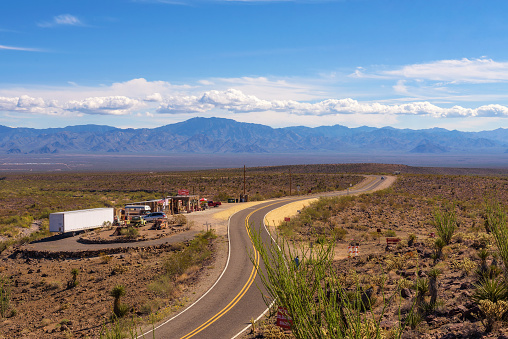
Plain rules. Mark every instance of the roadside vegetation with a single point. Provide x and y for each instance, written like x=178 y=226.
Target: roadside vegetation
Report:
x=446 y=277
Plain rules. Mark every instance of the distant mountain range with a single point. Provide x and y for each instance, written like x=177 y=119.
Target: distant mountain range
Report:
x=217 y=135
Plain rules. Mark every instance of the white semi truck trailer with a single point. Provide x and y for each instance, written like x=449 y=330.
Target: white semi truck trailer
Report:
x=72 y=221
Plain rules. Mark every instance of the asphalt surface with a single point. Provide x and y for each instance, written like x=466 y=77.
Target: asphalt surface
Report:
x=227 y=308
x=68 y=244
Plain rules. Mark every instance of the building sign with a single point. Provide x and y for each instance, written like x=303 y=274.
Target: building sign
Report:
x=183 y=192
x=283 y=319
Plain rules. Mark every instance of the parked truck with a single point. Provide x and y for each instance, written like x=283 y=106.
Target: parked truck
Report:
x=72 y=221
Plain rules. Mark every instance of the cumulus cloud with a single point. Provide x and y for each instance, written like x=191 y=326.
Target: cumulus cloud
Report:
x=185 y=104
x=142 y=96
x=235 y=101
x=62 y=20
x=27 y=104
x=114 y=105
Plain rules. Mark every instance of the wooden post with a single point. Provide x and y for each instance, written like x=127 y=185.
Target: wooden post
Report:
x=244 y=181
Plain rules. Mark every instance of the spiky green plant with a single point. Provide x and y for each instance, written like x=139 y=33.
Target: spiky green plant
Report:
x=318 y=302
x=439 y=244
x=433 y=275
x=74 y=278
x=117 y=292
x=483 y=269
x=445 y=223
x=496 y=217
x=421 y=286
x=490 y=289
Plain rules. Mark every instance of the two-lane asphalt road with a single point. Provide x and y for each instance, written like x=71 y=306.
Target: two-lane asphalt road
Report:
x=227 y=308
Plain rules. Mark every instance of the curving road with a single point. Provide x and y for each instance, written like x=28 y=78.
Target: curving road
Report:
x=226 y=309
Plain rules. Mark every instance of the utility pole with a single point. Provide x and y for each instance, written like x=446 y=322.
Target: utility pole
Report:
x=244 y=180
x=290 y=182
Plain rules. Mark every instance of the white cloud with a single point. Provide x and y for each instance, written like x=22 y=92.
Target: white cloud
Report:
x=141 y=96
x=27 y=104
x=62 y=20
x=237 y=102
x=116 y=105
x=185 y=104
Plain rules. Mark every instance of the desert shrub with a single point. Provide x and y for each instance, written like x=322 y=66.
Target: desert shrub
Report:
x=465 y=265
x=339 y=233
x=446 y=224
x=180 y=219
x=164 y=286
x=52 y=285
x=395 y=262
x=390 y=233
x=194 y=254
x=404 y=283
x=492 y=311
x=221 y=196
x=130 y=232
x=256 y=197
x=105 y=258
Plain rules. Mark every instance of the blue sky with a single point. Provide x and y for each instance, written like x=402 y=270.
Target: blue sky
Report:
x=146 y=63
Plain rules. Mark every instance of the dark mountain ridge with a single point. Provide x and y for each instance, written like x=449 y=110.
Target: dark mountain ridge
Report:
x=219 y=135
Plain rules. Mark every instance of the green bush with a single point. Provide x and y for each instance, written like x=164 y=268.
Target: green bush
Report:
x=390 y=233
x=130 y=232
x=194 y=254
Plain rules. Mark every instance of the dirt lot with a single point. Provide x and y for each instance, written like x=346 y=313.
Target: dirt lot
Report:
x=46 y=307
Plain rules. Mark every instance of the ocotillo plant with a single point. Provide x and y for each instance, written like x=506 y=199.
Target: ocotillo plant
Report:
x=319 y=305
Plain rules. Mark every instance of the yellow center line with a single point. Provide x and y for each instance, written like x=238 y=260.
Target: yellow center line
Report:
x=242 y=292
x=245 y=287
